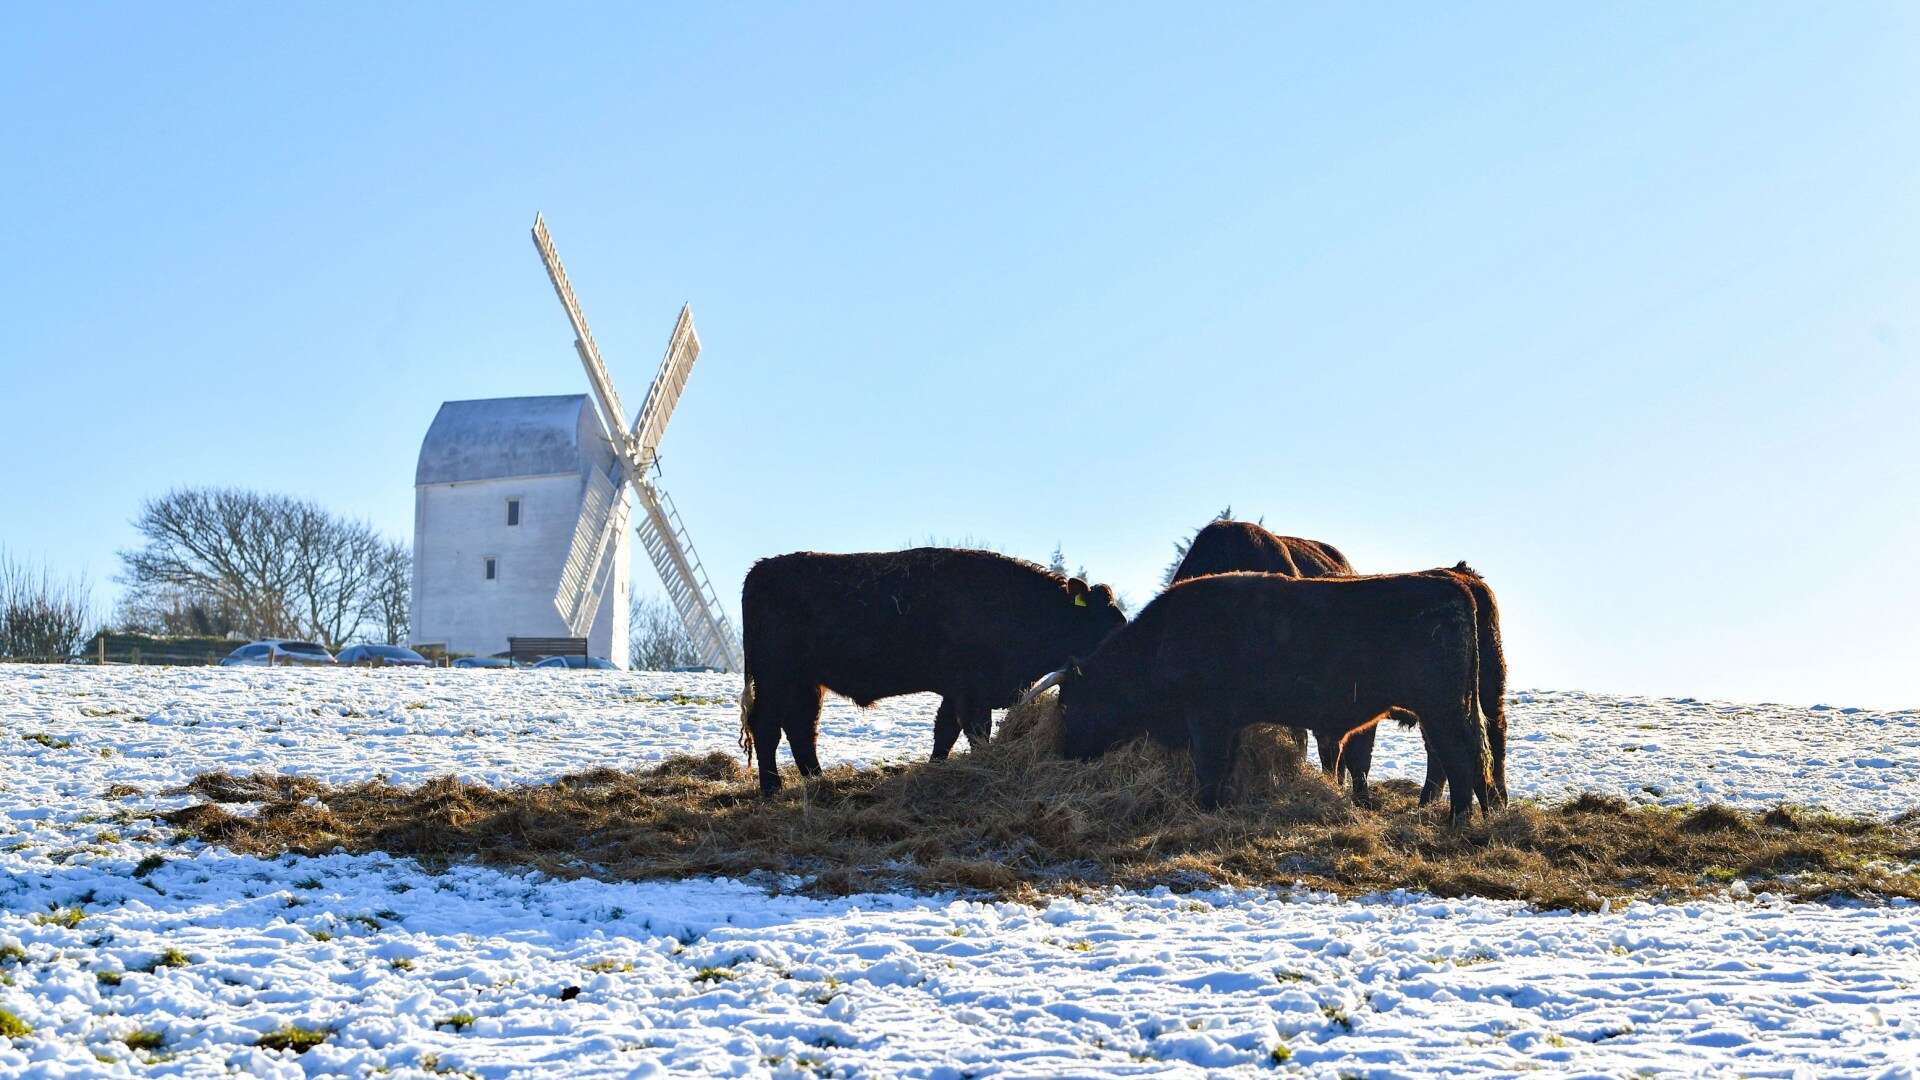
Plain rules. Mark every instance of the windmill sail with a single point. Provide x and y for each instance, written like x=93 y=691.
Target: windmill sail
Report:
x=665 y=537
x=591 y=556
x=683 y=348
x=612 y=413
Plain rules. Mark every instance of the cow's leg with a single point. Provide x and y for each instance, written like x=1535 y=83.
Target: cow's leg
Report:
x=763 y=719
x=1213 y=744
x=1436 y=781
x=1497 y=746
x=1454 y=739
x=977 y=721
x=1355 y=759
x=1329 y=744
x=801 y=721
x=946 y=726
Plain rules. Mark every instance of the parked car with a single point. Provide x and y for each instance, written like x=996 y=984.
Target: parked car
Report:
x=382 y=656
x=596 y=663
x=277 y=652
x=483 y=662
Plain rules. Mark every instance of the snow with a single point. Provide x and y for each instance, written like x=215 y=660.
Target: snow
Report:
x=596 y=978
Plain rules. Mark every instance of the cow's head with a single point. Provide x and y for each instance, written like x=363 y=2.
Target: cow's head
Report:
x=1089 y=723
x=1092 y=614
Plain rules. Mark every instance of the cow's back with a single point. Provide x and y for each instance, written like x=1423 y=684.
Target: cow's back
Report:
x=878 y=624
x=1295 y=644
x=1229 y=546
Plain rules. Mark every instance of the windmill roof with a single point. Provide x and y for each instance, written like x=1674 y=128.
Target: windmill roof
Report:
x=490 y=438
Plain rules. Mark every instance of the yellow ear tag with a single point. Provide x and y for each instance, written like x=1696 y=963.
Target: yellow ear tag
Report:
x=1079 y=601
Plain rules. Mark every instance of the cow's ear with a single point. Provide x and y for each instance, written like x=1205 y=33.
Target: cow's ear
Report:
x=1077 y=589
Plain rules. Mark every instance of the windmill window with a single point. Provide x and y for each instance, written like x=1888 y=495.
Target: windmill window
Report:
x=491 y=568
x=513 y=511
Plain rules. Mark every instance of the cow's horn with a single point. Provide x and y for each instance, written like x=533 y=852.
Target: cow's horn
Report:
x=1043 y=686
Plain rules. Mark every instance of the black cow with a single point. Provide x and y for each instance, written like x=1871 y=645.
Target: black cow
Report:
x=974 y=627
x=1334 y=655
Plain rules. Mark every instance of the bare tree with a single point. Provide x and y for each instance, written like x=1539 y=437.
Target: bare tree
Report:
x=271 y=565
x=230 y=546
x=41 y=617
x=386 y=608
x=656 y=638
x=334 y=565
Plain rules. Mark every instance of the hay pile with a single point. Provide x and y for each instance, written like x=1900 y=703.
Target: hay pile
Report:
x=1015 y=820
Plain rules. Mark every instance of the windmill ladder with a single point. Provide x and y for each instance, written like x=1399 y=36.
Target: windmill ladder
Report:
x=665 y=537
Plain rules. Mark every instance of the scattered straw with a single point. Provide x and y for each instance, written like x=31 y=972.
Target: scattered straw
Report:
x=1015 y=820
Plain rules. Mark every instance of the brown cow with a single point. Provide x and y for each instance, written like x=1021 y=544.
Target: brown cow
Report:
x=1223 y=547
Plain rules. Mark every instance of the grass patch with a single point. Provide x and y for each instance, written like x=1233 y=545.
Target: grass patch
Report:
x=168 y=958
x=715 y=975
x=1015 y=820
x=48 y=741
x=109 y=978
x=294 y=1038
x=459 y=1021
x=67 y=917
x=12 y=1027
x=144 y=1039
x=12 y=954
x=148 y=865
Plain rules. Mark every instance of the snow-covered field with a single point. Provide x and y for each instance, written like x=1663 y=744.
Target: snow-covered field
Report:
x=545 y=977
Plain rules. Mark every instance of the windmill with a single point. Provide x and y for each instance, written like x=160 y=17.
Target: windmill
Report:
x=603 y=515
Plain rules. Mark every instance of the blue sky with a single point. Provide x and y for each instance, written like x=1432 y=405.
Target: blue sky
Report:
x=1620 y=303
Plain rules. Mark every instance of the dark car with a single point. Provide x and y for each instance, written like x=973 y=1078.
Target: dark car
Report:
x=595 y=663
x=483 y=662
x=382 y=656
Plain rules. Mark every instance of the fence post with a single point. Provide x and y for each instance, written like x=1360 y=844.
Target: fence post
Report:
x=133 y=655
x=103 y=650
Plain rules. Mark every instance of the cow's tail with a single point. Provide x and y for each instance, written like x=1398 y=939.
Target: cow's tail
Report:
x=746 y=718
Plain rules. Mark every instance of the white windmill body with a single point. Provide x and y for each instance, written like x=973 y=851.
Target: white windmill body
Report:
x=497 y=496
x=522 y=510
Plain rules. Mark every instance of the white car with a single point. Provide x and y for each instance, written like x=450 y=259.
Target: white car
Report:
x=278 y=652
